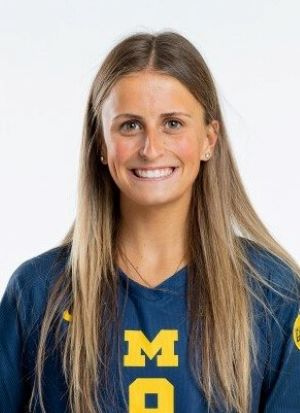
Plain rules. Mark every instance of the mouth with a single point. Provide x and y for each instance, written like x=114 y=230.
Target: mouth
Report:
x=155 y=178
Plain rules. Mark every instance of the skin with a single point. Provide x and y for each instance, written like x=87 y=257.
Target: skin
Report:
x=154 y=214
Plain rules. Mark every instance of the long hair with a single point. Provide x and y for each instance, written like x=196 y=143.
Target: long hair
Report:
x=222 y=344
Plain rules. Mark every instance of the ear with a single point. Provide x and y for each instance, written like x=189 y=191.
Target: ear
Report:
x=212 y=132
x=103 y=150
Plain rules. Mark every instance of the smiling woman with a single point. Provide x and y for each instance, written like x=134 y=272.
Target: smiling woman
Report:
x=168 y=293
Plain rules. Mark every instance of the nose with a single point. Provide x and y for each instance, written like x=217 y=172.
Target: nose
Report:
x=153 y=145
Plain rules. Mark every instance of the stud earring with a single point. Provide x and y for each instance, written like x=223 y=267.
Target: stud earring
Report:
x=207 y=155
x=102 y=159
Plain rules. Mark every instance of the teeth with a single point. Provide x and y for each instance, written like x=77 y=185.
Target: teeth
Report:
x=154 y=173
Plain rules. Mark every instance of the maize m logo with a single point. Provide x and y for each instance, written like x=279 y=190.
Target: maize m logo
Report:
x=161 y=387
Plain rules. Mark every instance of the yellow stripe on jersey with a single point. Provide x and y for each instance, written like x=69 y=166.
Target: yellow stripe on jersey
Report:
x=67 y=316
x=296 y=332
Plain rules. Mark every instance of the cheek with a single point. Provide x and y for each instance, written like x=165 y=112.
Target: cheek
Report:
x=189 y=151
x=119 y=151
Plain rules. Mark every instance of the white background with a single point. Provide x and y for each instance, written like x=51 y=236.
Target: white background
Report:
x=50 y=53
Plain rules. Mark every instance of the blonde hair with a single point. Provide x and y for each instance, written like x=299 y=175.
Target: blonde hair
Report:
x=222 y=222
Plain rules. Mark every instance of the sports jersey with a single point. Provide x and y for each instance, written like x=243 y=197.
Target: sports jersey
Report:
x=155 y=371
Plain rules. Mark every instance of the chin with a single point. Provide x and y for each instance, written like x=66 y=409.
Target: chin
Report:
x=152 y=201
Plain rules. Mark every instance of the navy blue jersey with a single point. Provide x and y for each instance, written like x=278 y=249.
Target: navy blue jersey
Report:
x=155 y=371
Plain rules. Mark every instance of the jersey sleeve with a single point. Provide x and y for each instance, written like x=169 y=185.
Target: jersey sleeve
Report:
x=281 y=385
x=11 y=347
x=21 y=312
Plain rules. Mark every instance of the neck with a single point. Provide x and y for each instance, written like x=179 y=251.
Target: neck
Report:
x=154 y=237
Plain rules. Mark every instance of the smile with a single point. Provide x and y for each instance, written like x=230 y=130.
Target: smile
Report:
x=154 y=174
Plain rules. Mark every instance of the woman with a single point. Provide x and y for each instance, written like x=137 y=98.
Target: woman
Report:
x=168 y=294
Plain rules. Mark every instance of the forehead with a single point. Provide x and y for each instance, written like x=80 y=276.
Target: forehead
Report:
x=149 y=91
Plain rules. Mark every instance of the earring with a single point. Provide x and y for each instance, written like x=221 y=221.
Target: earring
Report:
x=207 y=155
x=102 y=158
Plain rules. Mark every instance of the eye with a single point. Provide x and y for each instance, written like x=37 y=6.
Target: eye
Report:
x=176 y=122
x=128 y=123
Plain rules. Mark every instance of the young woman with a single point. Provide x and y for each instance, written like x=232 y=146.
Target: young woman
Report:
x=168 y=294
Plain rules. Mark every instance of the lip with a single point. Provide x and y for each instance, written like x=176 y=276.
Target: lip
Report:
x=150 y=168
x=161 y=178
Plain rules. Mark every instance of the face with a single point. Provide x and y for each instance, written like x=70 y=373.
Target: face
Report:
x=142 y=138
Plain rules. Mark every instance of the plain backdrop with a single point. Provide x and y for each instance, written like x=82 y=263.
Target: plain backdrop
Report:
x=50 y=53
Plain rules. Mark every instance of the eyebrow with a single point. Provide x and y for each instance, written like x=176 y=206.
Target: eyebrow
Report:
x=162 y=115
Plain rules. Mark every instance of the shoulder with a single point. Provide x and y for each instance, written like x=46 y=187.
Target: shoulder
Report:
x=278 y=301
x=38 y=270
x=28 y=286
x=277 y=273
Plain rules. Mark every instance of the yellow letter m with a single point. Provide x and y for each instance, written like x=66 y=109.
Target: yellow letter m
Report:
x=163 y=341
